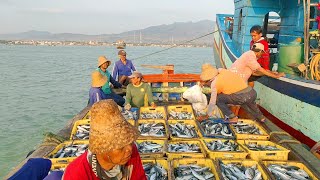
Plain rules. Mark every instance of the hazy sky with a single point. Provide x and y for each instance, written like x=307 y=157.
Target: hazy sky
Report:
x=103 y=16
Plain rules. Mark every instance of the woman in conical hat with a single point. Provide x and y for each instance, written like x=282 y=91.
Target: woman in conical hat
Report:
x=112 y=153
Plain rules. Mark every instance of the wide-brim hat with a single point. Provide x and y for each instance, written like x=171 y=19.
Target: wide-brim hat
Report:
x=208 y=72
x=98 y=79
x=109 y=130
x=136 y=74
x=102 y=60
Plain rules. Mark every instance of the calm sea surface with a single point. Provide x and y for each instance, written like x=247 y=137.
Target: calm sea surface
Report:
x=43 y=87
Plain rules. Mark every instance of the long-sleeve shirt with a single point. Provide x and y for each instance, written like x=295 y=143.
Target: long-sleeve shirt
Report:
x=81 y=169
x=121 y=69
x=95 y=95
x=136 y=95
x=106 y=87
x=264 y=60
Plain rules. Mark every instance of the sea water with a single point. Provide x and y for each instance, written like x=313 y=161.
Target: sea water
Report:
x=42 y=87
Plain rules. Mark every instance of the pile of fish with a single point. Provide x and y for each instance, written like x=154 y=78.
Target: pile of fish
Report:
x=218 y=145
x=155 y=171
x=194 y=172
x=152 y=129
x=180 y=115
x=149 y=147
x=73 y=150
x=286 y=172
x=244 y=128
x=128 y=115
x=183 y=130
x=216 y=129
x=155 y=115
x=234 y=171
x=260 y=147
x=184 y=147
x=82 y=132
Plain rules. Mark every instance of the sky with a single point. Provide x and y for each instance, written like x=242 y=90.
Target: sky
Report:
x=103 y=16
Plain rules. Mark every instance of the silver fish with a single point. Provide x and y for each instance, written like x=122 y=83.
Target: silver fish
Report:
x=238 y=171
x=193 y=171
x=73 y=150
x=149 y=147
x=283 y=172
x=82 y=132
x=260 y=147
x=180 y=115
x=129 y=115
x=218 y=145
x=155 y=115
x=243 y=128
x=184 y=147
x=152 y=129
x=212 y=128
x=155 y=171
x=183 y=130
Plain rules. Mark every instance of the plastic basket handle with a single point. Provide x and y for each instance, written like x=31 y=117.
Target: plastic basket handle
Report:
x=271 y=154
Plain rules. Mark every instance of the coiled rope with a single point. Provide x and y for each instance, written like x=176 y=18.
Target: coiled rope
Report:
x=314 y=67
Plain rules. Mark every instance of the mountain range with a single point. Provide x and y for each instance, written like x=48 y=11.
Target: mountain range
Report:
x=177 y=32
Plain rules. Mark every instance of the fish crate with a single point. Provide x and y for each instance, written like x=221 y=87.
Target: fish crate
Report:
x=75 y=128
x=163 y=143
x=57 y=167
x=151 y=110
x=203 y=162
x=280 y=155
x=242 y=154
x=133 y=109
x=205 y=135
x=244 y=162
x=180 y=109
x=184 y=122
x=166 y=134
x=161 y=161
x=88 y=115
x=263 y=136
x=297 y=164
x=173 y=155
x=65 y=160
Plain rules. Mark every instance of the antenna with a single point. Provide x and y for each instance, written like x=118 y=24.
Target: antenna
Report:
x=140 y=37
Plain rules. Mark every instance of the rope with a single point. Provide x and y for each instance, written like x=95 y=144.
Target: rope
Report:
x=314 y=67
x=173 y=46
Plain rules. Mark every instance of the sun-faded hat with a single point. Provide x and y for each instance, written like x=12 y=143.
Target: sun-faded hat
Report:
x=257 y=47
x=102 y=60
x=208 y=72
x=98 y=79
x=122 y=53
x=136 y=74
x=108 y=128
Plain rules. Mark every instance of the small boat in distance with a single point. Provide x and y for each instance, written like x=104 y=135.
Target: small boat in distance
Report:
x=120 y=44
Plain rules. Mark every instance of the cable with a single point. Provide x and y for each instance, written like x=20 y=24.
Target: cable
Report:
x=173 y=46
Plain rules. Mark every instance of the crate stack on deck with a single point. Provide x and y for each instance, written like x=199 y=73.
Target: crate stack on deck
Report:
x=173 y=144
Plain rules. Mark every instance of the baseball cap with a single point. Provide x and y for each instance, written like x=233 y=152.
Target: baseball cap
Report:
x=257 y=47
x=122 y=53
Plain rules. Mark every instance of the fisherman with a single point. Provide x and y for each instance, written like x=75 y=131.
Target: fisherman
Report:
x=103 y=64
x=112 y=152
x=96 y=94
x=123 y=68
x=229 y=88
x=138 y=93
x=248 y=65
x=256 y=34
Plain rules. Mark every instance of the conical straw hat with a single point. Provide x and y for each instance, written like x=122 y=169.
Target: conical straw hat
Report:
x=208 y=72
x=98 y=79
x=102 y=60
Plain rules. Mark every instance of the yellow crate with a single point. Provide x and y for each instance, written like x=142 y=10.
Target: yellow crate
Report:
x=187 y=122
x=280 y=155
x=153 y=122
x=65 y=160
x=243 y=162
x=58 y=166
x=76 y=124
x=180 y=108
x=158 y=109
x=242 y=154
x=153 y=155
x=173 y=155
x=88 y=115
x=162 y=161
x=290 y=163
x=204 y=162
x=263 y=136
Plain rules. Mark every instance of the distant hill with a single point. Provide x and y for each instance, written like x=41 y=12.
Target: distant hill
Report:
x=177 y=32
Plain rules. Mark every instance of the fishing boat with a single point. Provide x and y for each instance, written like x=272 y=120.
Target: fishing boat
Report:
x=120 y=44
x=292 y=102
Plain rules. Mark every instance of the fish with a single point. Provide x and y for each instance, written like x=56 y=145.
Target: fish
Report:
x=283 y=172
x=149 y=147
x=184 y=147
x=129 y=115
x=152 y=115
x=72 y=150
x=212 y=128
x=193 y=171
x=82 y=133
x=180 y=115
x=260 y=147
x=218 y=145
x=154 y=171
x=238 y=171
x=183 y=130
x=152 y=129
x=244 y=128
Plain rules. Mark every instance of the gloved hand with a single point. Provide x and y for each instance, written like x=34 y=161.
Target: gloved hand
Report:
x=127 y=107
x=153 y=105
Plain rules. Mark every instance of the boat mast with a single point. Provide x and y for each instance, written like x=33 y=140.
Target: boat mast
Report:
x=306 y=8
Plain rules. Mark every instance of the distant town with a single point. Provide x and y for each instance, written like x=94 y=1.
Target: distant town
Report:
x=92 y=43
